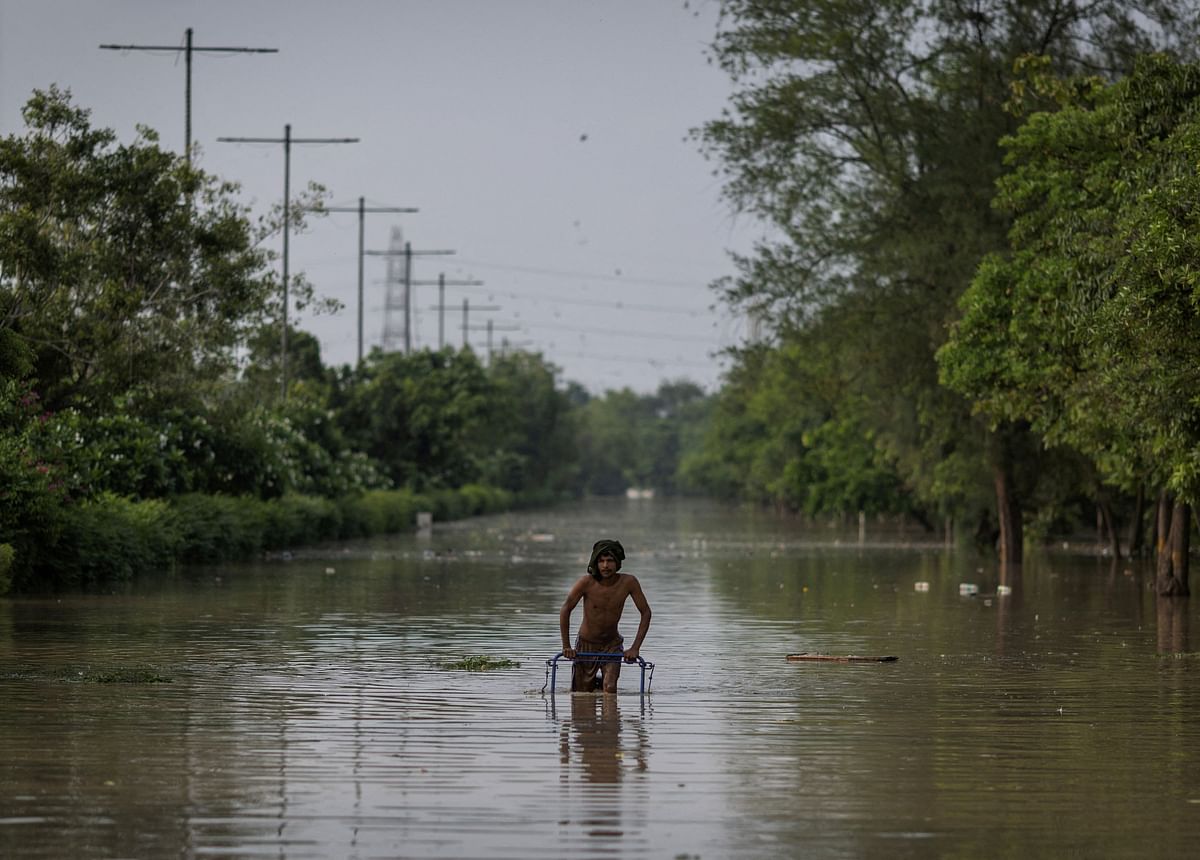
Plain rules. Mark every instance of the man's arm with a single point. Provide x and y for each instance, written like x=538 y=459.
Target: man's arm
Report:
x=564 y=616
x=639 y=600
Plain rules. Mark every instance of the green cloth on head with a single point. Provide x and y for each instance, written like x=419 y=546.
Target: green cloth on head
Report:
x=601 y=547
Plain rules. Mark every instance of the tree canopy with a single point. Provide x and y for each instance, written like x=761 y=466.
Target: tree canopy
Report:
x=866 y=138
x=1088 y=328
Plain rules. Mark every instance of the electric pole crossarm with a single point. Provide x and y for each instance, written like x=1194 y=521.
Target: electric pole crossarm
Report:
x=288 y=139
x=189 y=49
x=195 y=49
x=369 y=209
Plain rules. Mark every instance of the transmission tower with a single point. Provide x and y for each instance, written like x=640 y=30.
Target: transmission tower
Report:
x=395 y=303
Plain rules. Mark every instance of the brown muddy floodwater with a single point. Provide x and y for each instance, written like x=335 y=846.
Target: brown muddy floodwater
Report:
x=300 y=707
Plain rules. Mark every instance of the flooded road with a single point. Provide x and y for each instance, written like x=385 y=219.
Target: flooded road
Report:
x=303 y=708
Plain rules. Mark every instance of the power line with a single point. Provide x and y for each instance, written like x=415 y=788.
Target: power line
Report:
x=629 y=306
x=635 y=359
x=649 y=335
x=564 y=273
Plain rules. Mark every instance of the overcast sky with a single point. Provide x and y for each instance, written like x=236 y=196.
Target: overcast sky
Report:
x=544 y=141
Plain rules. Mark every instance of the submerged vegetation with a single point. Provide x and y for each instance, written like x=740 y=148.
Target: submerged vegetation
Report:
x=481 y=664
x=135 y=674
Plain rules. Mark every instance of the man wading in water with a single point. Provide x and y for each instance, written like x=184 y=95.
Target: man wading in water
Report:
x=603 y=591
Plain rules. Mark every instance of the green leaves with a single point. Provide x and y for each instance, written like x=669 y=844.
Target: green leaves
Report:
x=121 y=267
x=1089 y=329
x=867 y=139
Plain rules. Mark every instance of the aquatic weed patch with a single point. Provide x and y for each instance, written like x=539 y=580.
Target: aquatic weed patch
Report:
x=481 y=664
x=89 y=674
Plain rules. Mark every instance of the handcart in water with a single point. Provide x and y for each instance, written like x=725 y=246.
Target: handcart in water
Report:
x=598 y=657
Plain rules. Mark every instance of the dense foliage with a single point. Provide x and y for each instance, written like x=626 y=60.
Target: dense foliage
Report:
x=1088 y=328
x=867 y=138
x=141 y=419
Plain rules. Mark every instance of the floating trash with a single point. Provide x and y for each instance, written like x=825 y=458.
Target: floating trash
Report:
x=968 y=589
x=920 y=586
x=1002 y=590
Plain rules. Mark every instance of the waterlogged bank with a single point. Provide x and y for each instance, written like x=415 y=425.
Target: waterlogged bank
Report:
x=318 y=707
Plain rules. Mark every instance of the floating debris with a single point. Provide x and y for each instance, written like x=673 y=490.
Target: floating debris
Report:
x=968 y=589
x=837 y=658
x=920 y=586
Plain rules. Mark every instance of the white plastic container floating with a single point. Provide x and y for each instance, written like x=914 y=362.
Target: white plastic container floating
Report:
x=968 y=589
x=920 y=586
x=1002 y=590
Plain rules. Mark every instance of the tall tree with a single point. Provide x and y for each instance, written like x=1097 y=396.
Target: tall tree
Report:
x=1090 y=328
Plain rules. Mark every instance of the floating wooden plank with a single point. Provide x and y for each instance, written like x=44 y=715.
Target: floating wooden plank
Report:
x=837 y=658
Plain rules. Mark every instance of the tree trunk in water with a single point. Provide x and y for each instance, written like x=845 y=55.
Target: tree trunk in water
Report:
x=1012 y=536
x=1137 y=527
x=1173 y=544
x=1162 y=524
x=1109 y=528
x=1172 y=617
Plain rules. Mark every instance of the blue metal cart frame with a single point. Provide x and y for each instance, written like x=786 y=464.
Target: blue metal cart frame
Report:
x=598 y=657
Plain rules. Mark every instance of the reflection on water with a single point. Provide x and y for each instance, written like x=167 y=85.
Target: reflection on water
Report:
x=597 y=752
x=309 y=713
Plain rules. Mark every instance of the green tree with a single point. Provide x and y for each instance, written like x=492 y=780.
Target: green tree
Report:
x=120 y=266
x=774 y=440
x=1089 y=328
x=423 y=416
x=866 y=135
x=532 y=441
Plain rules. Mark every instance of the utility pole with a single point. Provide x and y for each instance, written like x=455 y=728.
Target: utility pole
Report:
x=408 y=253
x=466 y=308
x=188 y=50
x=489 y=328
x=362 y=209
x=440 y=307
x=287 y=140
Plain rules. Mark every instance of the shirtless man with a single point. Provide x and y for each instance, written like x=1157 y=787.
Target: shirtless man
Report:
x=603 y=591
